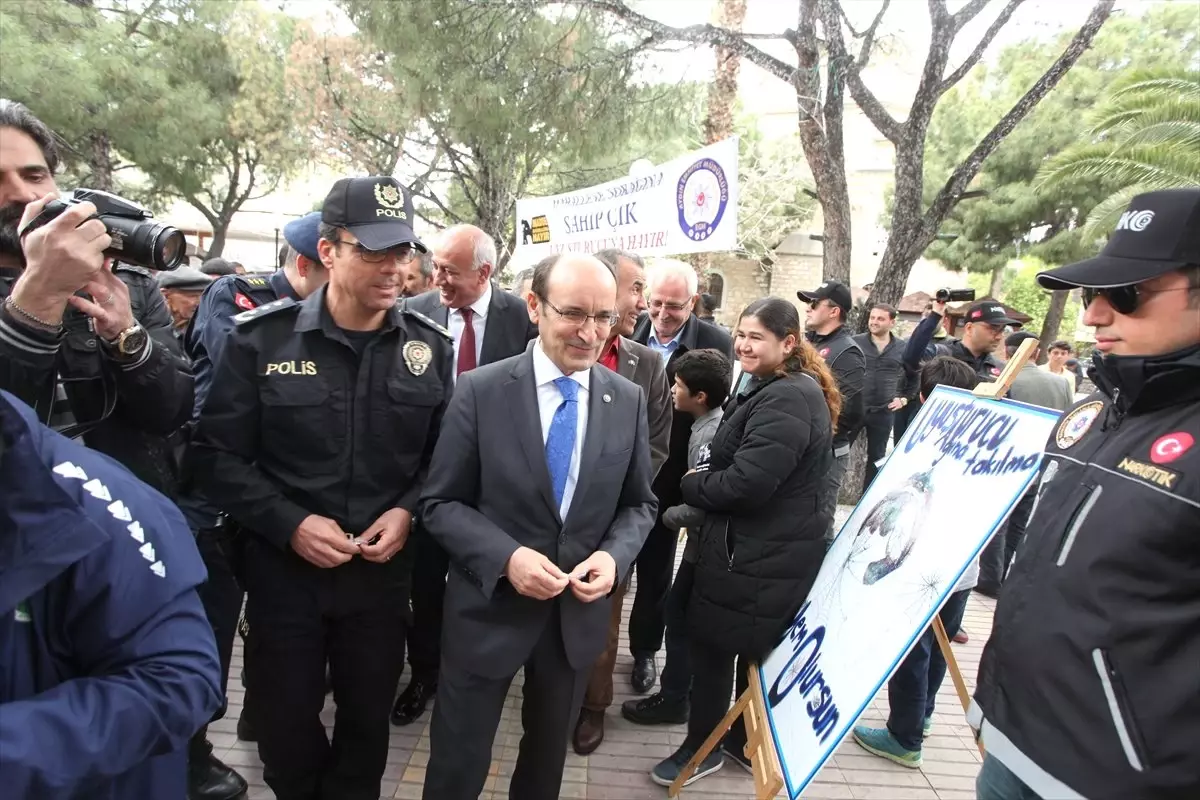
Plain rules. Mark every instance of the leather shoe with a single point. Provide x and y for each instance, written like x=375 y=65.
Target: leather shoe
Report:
x=655 y=710
x=589 y=731
x=412 y=701
x=645 y=673
x=210 y=779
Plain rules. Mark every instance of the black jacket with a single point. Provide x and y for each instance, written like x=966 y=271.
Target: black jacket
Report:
x=507 y=329
x=920 y=348
x=1091 y=678
x=297 y=423
x=763 y=540
x=125 y=411
x=695 y=335
x=850 y=371
x=886 y=378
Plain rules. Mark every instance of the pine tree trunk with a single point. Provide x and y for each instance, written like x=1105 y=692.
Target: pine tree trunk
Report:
x=1054 y=318
x=997 y=283
x=100 y=161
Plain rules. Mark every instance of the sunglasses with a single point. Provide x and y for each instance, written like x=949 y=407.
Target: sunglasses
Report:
x=1123 y=299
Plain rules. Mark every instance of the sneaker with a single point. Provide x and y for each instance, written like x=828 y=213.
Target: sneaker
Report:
x=880 y=742
x=669 y=768
x=656 y=709
x=737 y=754
x=927 y=726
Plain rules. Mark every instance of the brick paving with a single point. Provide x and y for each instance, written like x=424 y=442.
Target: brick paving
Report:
x=619 y=770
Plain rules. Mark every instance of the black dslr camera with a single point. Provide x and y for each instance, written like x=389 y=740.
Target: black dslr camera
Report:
x=135 y=238
x=954 y=295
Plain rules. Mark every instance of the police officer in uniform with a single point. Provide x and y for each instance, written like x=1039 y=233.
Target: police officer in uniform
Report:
x=1088 y=686
x=983 y=334
x=301 y=274
x=315 y=438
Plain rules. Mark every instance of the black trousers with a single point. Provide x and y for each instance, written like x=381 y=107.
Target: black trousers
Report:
x=655 y=563
x=879 y=425
x=221 y=597
x=300 y=618
x=467 y=714
x=430 y=565
x=997 y=556
x=713 y=676
x=902 y=418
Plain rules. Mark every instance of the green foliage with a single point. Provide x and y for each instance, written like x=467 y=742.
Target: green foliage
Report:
x=1023 y=293
x=1016 y=218
x=772 y=177
x=509 y=98
x=1145 y=136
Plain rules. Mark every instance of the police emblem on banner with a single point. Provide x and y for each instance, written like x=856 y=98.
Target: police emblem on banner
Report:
x=1077 y=423
x=700 y=197
x=417 y=356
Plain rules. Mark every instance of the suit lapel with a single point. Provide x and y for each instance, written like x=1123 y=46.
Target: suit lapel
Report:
x=627 y=360
x=493 y=329
x=528 y=423
x=600 y=404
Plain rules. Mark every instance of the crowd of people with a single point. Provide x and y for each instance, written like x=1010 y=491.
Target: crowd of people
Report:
x=376 y=452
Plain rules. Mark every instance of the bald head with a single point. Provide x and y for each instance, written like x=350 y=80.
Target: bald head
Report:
x=463 y=260
x=573 y=302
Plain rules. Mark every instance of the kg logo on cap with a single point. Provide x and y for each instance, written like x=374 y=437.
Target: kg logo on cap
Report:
x=1136 y=221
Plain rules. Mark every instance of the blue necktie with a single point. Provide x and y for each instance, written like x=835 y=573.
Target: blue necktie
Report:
x=560 y=442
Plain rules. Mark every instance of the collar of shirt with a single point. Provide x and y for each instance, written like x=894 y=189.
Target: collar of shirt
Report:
x=546 y=371
x=608 y=358
x=282 y=286
x=667 y=348
x=480 y=306
x=704 y=419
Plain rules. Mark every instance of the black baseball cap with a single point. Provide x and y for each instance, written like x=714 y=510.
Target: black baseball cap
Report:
x=1015 y=339
x=988 y=312
x=1159 y=232
x=302 y=235
x=377 y=210
x=834 y=292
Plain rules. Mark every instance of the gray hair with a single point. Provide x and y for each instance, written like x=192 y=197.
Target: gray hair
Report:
x=670 y=268
x=612 y=256
x=426 y=261
x=522 y=276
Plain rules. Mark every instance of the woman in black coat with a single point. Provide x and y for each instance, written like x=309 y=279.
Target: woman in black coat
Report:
x=762 y=542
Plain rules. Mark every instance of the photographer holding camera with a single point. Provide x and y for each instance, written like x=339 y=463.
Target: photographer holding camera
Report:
x=88 y=345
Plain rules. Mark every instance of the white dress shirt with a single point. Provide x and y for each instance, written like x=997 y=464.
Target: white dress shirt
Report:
x=549 y=399
x=454 y=321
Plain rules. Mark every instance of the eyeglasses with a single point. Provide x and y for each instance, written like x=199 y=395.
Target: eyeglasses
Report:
x=404 y=254
x=1123 y=299
x=604 y=319
x=660 y=304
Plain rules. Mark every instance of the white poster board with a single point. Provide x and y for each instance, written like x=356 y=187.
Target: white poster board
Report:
x=960 y=467
x=687 y=205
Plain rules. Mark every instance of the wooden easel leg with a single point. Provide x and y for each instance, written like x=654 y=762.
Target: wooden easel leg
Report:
x=710 y=743
x=960 y=686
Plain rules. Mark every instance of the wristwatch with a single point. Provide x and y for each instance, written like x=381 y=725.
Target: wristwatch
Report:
x=129 y=342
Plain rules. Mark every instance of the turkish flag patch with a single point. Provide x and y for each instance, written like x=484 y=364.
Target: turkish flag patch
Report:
x=241 y=301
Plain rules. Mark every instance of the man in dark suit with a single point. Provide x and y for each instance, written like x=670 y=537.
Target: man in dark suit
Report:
x=671 y=328
x=643 y=366
x=488 y=325
x=540 y=491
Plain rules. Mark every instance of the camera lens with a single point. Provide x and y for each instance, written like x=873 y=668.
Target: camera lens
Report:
x=154 y=245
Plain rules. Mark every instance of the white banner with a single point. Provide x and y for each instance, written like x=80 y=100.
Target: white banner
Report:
x=961 y=466
x=687 y=205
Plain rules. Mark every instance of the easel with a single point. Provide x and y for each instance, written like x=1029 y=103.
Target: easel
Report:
x=752 y=706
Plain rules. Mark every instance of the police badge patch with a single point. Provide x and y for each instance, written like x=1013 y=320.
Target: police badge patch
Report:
x=1077 y=423
x=417 y=356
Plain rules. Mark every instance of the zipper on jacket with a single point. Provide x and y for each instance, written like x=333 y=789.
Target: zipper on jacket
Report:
x=728 y=549
x=1108 y=674
x=1077 y=520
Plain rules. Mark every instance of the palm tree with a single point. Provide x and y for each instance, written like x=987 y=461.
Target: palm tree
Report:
x=1144 y=136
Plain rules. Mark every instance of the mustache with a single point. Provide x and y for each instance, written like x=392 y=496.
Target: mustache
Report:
x=10 y=218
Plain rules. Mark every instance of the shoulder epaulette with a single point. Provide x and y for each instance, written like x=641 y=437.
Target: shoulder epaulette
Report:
x=264 y=310
x=428 y=323
x=253 y=281
x=121 y=266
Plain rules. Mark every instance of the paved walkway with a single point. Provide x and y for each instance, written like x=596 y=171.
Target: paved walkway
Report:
x=619 y=770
